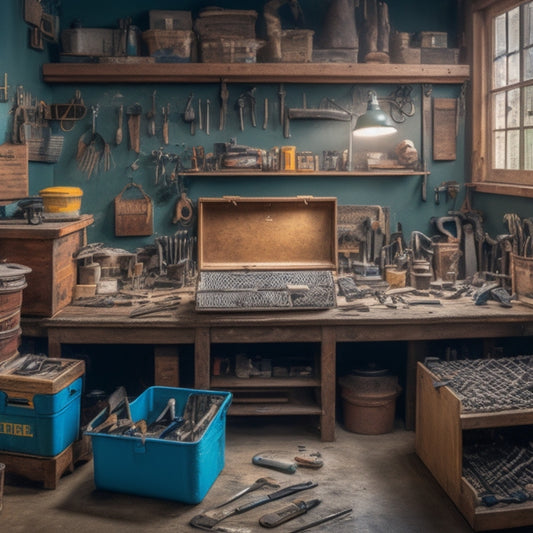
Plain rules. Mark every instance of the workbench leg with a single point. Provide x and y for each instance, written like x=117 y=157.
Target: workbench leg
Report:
x=54 y=346
x=416 y=351
x=327 y=389
x=202 y=358
x=166 y=366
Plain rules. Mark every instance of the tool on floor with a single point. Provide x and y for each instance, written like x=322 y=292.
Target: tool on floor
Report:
x=151 y=117
x=134 y=127
x=189 y=115
x=323 y=520
x=224 y=95
x=280 y=466
x=258 y=484
x=289 y=512
x=211 y=518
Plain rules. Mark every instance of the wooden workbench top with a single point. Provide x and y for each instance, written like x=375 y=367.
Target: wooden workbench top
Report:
x=20 y=229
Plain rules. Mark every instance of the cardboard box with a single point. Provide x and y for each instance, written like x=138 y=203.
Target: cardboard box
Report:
x=40 y=415
x=160 y=468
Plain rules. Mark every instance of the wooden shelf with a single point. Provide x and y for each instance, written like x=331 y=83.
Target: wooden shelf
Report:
x=253 y=72
x=323 y=174
x=230 y=382
x=274 y=409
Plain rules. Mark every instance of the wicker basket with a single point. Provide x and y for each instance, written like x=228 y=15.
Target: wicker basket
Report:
x=297 y=46
x=223 y=50
x=218 y=22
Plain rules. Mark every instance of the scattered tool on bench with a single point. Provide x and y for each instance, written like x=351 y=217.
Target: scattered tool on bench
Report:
x=289 y=512
x=258 y=484
x=211 y=518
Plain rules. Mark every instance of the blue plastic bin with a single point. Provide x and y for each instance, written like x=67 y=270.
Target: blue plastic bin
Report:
x=180 y=471
x=45 y=426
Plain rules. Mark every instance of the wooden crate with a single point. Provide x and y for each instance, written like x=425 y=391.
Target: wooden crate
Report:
x=440 y=426
x=48 y=249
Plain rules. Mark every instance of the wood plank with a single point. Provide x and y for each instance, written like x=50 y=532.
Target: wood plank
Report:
x=166 y=366
x=46 y=230
x=256 y=73
x=516 y=417
x=328 y=389
x=445 y=123
x=232 y=382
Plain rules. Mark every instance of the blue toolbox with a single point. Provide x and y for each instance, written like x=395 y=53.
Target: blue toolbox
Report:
x=40 y=401
x=160 y=467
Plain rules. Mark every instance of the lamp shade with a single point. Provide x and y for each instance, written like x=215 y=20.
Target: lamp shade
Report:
x=375 y=122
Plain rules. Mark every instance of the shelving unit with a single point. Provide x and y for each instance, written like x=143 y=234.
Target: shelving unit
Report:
x=440 y=434
x=253 y=72
x=324 y=173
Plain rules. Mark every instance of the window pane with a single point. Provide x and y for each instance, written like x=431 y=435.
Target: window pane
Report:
x=528 y=27
x=528 y=64
x=513 y=108
x=513 y=63
x=500 y=72
x=513 y=21
x=528 y=149
x=513 y=149
x=528 y=106
x=499 y=150
x=499 y=111
x=500 y=36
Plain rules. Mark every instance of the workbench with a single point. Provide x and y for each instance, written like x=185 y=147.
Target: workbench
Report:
x=416 y=325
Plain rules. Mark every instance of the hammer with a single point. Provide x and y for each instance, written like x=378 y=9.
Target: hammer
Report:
x=259 y=483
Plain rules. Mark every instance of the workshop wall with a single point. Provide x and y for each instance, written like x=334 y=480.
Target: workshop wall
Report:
x=402 y=194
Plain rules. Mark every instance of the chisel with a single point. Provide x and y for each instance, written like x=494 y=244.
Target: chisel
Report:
x=322 y=521
x=290 y=511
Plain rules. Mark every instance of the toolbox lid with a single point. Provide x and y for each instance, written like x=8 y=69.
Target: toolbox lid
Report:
x=286 y=233
x=62 y=192
x=33 y=374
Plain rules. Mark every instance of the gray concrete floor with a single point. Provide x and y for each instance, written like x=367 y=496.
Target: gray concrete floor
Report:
x=379 y=477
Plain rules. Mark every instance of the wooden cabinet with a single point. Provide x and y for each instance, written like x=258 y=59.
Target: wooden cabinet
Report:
x=440 y=438
x=48 y=249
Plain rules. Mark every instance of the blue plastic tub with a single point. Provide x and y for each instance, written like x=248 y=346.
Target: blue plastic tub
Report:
x=180 y=471
x=44 y=426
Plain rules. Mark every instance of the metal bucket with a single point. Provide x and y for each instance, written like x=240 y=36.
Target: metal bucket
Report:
x=369 y=402
x=12 y=283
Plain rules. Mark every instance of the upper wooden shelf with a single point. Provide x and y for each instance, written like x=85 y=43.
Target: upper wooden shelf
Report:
x=256 y=72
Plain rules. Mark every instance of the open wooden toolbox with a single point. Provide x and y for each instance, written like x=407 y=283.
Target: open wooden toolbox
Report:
x=446 y=433
x=266 y=254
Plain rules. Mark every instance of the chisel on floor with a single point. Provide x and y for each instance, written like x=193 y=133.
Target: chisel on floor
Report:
x=321 y=521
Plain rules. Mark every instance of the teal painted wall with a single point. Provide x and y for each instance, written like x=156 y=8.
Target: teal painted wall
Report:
x=401 y=194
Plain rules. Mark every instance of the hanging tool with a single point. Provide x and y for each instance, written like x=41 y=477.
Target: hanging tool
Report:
x=250 y=96
x=151 y=117
x=134 y=127
x=224 y=95
x=258 y=484
x=119 y=134
x=211 y=518
x=207 y=118
x=289 y=512
x=165 y=110
x=265 y=114
x=240 y=107
x=323 y=520
x=200 y=118
x=427 y=89
x=282 y=93
x=189 y=115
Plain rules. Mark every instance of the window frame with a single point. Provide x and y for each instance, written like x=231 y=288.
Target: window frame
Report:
x=484 y=177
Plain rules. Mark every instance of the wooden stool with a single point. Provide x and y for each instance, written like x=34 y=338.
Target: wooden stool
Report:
x=39 y=468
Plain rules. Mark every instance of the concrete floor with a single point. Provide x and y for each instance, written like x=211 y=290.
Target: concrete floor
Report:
x=380 y=477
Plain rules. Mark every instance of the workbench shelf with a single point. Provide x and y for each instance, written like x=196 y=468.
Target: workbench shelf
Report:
x=253 y=72
x=322 y=174
x=442 y=430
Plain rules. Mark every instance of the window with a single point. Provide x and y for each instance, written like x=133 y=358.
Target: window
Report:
x=502 y=97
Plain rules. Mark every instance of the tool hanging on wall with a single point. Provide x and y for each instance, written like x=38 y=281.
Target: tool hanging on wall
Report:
x=134 y=127
x=165 y=111
x=200 y=115
x=207 y=117
x=184 y=210
x=151 y=117
x=43 y=25
x=93 y=150
x=427 y=89
x=4 y=97
x=69 y=113
x=189 y=115
x=224 y=95
x=119 y=132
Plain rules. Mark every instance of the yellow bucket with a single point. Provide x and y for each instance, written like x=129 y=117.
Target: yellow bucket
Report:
x=64 y=200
